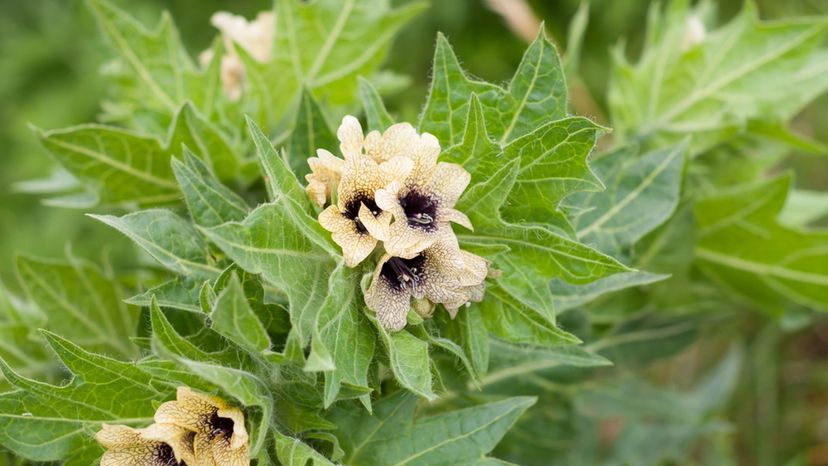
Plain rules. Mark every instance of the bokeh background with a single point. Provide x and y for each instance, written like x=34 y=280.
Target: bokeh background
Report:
x=51 y=54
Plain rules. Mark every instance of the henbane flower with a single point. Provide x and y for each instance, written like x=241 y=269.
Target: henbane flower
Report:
x=157 y=445
x=422 y=206
x=442 y=273
x=220 y=436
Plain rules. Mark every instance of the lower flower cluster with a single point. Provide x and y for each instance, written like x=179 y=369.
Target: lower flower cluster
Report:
x=390 y=189
x=193 y=430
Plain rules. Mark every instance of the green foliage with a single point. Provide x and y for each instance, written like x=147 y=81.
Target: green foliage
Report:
x=748 y=70
x=604 y=259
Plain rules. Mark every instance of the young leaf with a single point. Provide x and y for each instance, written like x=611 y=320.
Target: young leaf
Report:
x=234 y=319
x=78 y=300
x=210 y=203
x=168 y=238
x=394 y=437
x=742 y=246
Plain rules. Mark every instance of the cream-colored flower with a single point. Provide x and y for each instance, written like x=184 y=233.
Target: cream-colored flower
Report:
x=157 y=445
x=422 y=202
x=326 y=171
x=442 y=273
x=255 y=37
x=355 y=221
x=423 y=205
x=220 y=436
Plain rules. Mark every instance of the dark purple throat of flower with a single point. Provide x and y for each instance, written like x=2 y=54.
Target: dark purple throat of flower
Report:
x=220 y=426
x=404 y=274
x=421 y=210
x=352 y=210
x=164 y=454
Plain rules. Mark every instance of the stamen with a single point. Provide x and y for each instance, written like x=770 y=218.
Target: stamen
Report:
x=404 y=274
x=421 y=218
x=420 y=210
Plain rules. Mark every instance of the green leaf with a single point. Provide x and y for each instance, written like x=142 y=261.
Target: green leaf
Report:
x=119 y=166
x=346 y=334
x=552 y=166
x=168 y=238
x=158 y=75
x=642 y=193
x=293 y=452
x=311 y=131
x=375 y=112
x=233 y=318
x=267 y=242
x=536 y=94
x=281 y=241
x=127 y=168
x=48 y=423
x=178 y=293
x=409 y=360
x=747 y=69
x=286 y=190
x=513 y=364
x=568 y=296
x=646 y=338
x=210 y=203
x=742 y=246
x=525 y=279
x=393 y=437
x=507 y=318
x=445 y=111
x=206 y=140
x=468 y=329
x=80 y=301
x=322 y=46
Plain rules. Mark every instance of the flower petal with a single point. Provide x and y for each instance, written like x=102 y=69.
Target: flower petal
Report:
x=452 y=215
x=350 y=137
x=390 y=305
x=398 y=140
x=356 y=247
x=332 y=220
x=178 y=438
x=399 y=167
x=447 y=183
x=377 y=226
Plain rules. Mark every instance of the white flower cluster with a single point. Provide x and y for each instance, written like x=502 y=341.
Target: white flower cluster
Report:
x=389 y=189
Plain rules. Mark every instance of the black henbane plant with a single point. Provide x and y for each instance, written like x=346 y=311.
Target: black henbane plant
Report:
x=393 y=295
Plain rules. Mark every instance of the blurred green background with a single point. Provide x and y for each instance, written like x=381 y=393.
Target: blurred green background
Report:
x=50 y=57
